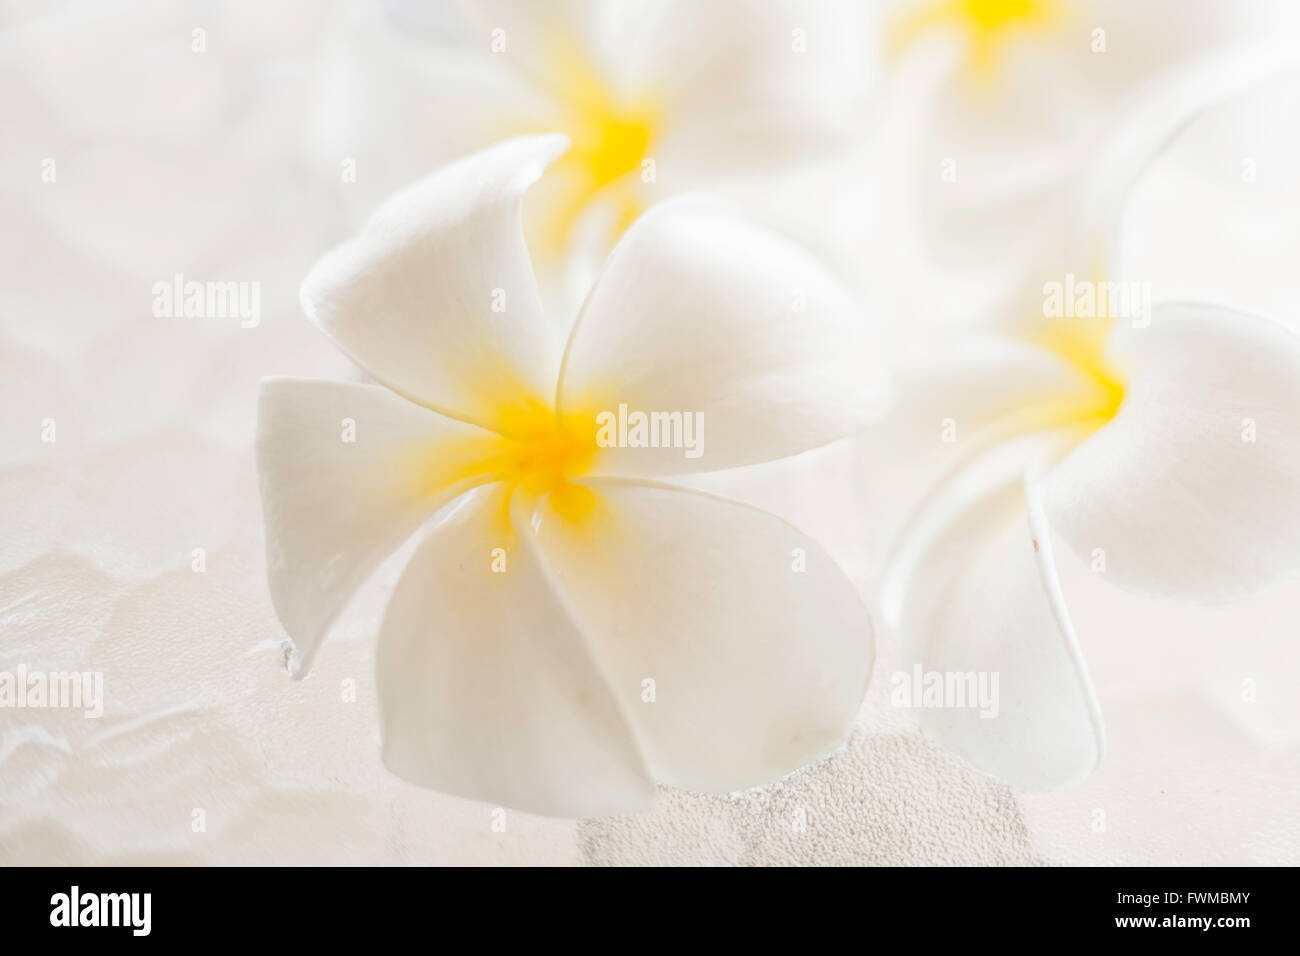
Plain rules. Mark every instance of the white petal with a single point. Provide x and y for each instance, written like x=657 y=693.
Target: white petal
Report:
x=1191 y=489
x=1258 y=46
x=436 y=298
x=716 y=74
x=757 y=667
x=401 y=102
x=1194 y=35
x=973 y=382
x=782 y=81
x=973 y=590
x=957 y=394
x=1027 y=167
x=699 y=313
x=488 y=688
x=335 y=509
x=553 y=44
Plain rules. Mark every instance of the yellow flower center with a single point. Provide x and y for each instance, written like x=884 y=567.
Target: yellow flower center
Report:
x=542 y=452
x=613 y=144
x=1082 y=343
x=987 y=24
x=989 y=15
x=611 y=136
x=1077 y=321
x=530 y=448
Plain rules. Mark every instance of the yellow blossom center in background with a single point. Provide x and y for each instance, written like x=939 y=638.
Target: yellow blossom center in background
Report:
x=1082 y=343
x=612 y=145
x=987 y=24
x=1078 y=319
x=611 y=136
x=990 y=15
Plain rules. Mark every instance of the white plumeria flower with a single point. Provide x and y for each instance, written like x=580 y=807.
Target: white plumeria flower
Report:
x=1164 y=449
x=1000 y=109
x=1155 y=444
x=571 y=630
x=656 y=97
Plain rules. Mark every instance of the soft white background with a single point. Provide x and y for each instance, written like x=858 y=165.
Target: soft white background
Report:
x=209 y=165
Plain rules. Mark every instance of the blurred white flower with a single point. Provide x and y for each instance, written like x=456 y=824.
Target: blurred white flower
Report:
x=1162 y=446
x=1155 y=442
x=570 y=631
x=656 y=97
x=1000 y=111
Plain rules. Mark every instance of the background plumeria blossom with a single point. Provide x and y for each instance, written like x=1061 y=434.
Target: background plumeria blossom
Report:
x=657 y=97
x=570 y=629
x=999 y=108
x=1163 y=449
